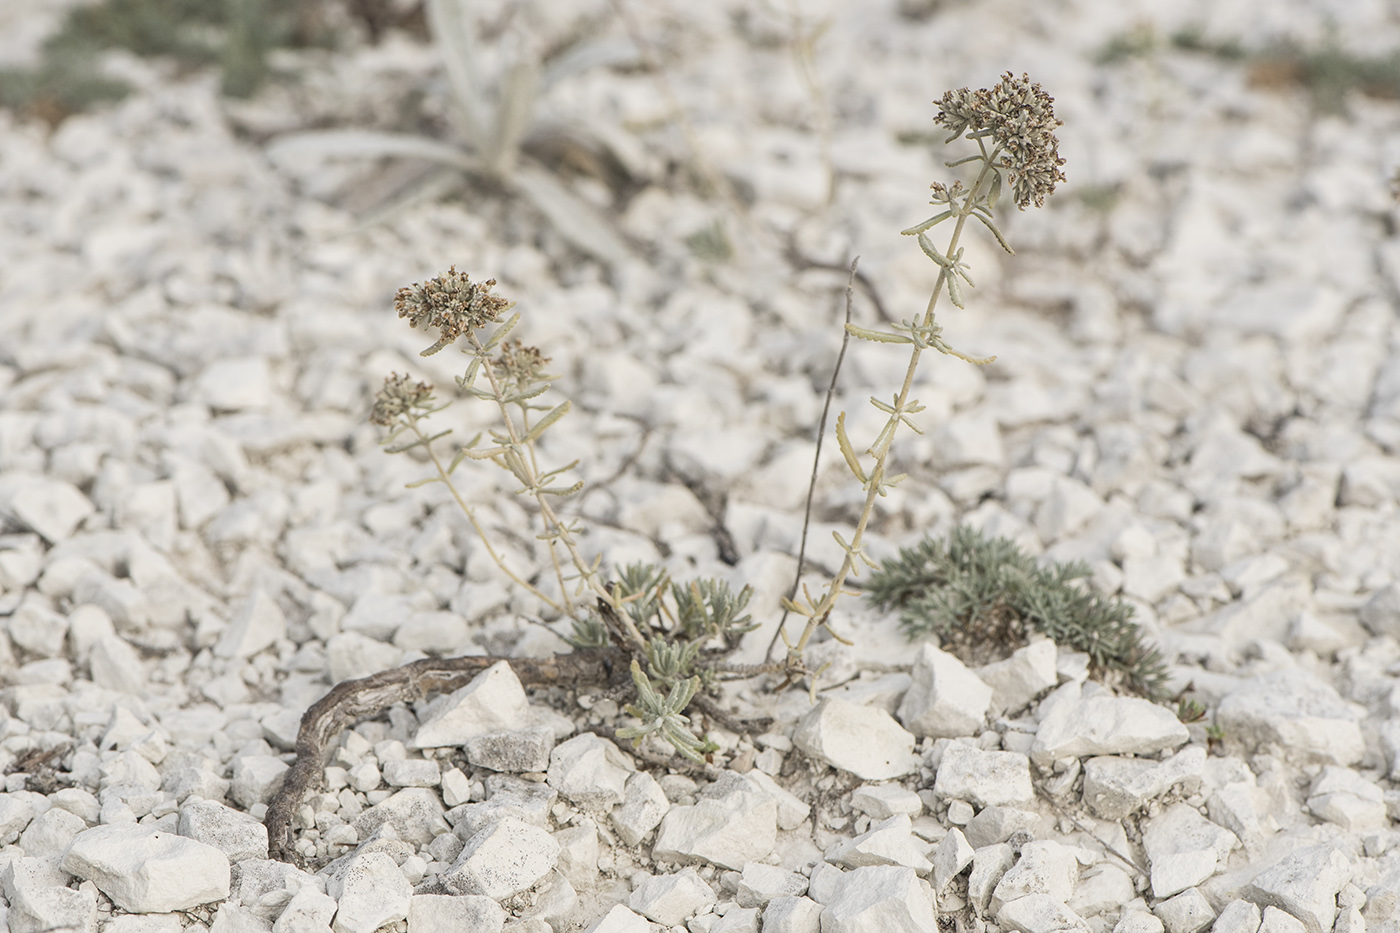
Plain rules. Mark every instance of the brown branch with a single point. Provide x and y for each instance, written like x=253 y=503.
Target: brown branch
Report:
x=353 y=701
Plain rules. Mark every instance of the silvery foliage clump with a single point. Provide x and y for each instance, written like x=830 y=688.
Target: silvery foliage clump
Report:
x=678 y=634
x=491 y=117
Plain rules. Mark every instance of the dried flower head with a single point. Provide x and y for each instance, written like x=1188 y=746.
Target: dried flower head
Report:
x=1020 y=119
x=452 y=303
x=519 y=365
x=398 y=398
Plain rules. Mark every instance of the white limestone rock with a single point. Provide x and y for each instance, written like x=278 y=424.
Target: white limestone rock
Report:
x=1188 y=912
x=1238 y=916
x=578 y=853
x=792 y=915
x=266 y=886
x=50 y=507
x=759 y=884
x=258 y=625
x=256 y=778
x=517 y=750
x=1304 y=883
x=1043 y=867
x=882 y=801
x=671 y=900
x=1184 y=849
x=1103 y=889
x=879 y=899
x=51 y=832
x=415 y=813
x=643 y=806
x=503 y=859
x=889 y=842
x=145 y=871
x=493 y=701
x=411 y=772
x=732 y=823
x=792 y=810
x=620 y=919
x=1295 y=714
x=1039 y=913
x=989 y=864
x=474 y=912
x=950 y=857
x=1016 y=681
x=945 y=699
x=984 y=778
x=864 y=741
x=1341 y=796
x=234 y=833
x=590 y=771
x=1115 y=787
x=39 y=899
x=370 y=891
x=1102 y=724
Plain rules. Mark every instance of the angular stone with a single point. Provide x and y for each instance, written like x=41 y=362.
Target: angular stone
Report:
x=1295 y=712
x=370 y=892
x=519 y=750
x=759 y=884
x=504 y=859
x=882 y=801
x=51 y=832
x=494 y=701
x=889 y=842
x=946 y=699
x=1237 y=917
x=864 y=741
x=265 y=886
x=590 y=771
x=1305 y=884
x=1341 y=796
x=671 y=900
x=792 y=915
x=1018 y=680
x=50 y=507
x=1188 y=912
x=146 y=871
x=1115 y=787
x=474 y=912
x=643 y=806
x=415 y=813
x=1104 y=725
x=1047 y=868
x=232 y=832
x=1184 y=849
x=258 y=625
x=952 y=855
x=881 y=897
x=39 y=899
x=984 y=778
x=256 y=778
x=731 y=824
x=1039 y=913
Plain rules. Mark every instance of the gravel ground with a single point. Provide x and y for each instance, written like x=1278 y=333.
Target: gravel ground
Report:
x=1196 y=391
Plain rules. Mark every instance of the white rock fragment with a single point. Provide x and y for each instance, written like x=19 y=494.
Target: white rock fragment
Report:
x=1238 y=916
x=620 y=919
x=1188 y=912
x=493 y=701
x=731 y=824
x=258 y=625
x=792 y=810
x=946 y=699
x=1184 y=849
x=505 y=858
x=792 y=915
x=256 y=778
x=236 y=384
x=578 y=853
x=146 y=871
x=415 y=813
x=370 y=891
x=51 y=832
x=1039 y=913
x=951 y=856
x=265 y=886
x=643 y=806
x=1043 y=867
x=1019 y=679
x=889 y=842
x=884 y=898
x=39 y=899
x=1115 y=786
x=984 y=778
x=232 y=832
x=1102 y=889
x=1295 y=713
x=411 y=772
x=759 y=884
x=882 y=801
x=590 y=771
x=51 y=508
x=309 y=911
x=519 y=750
x=1304 y=883
x=864 y=741
x=989 y=863
x=1340 y=795
x=1103 y=725
x=670 y=900
x=115 y=665
x=473 y=912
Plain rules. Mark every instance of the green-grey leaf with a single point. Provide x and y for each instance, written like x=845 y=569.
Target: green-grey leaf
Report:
x=543 y=424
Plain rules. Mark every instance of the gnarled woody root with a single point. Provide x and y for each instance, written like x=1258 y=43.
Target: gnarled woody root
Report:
x=353 y=701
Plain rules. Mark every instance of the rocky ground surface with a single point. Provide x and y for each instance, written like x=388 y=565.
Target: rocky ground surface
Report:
x=1197 y=391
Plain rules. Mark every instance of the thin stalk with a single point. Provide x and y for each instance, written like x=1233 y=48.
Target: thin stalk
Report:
x=821 y=613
